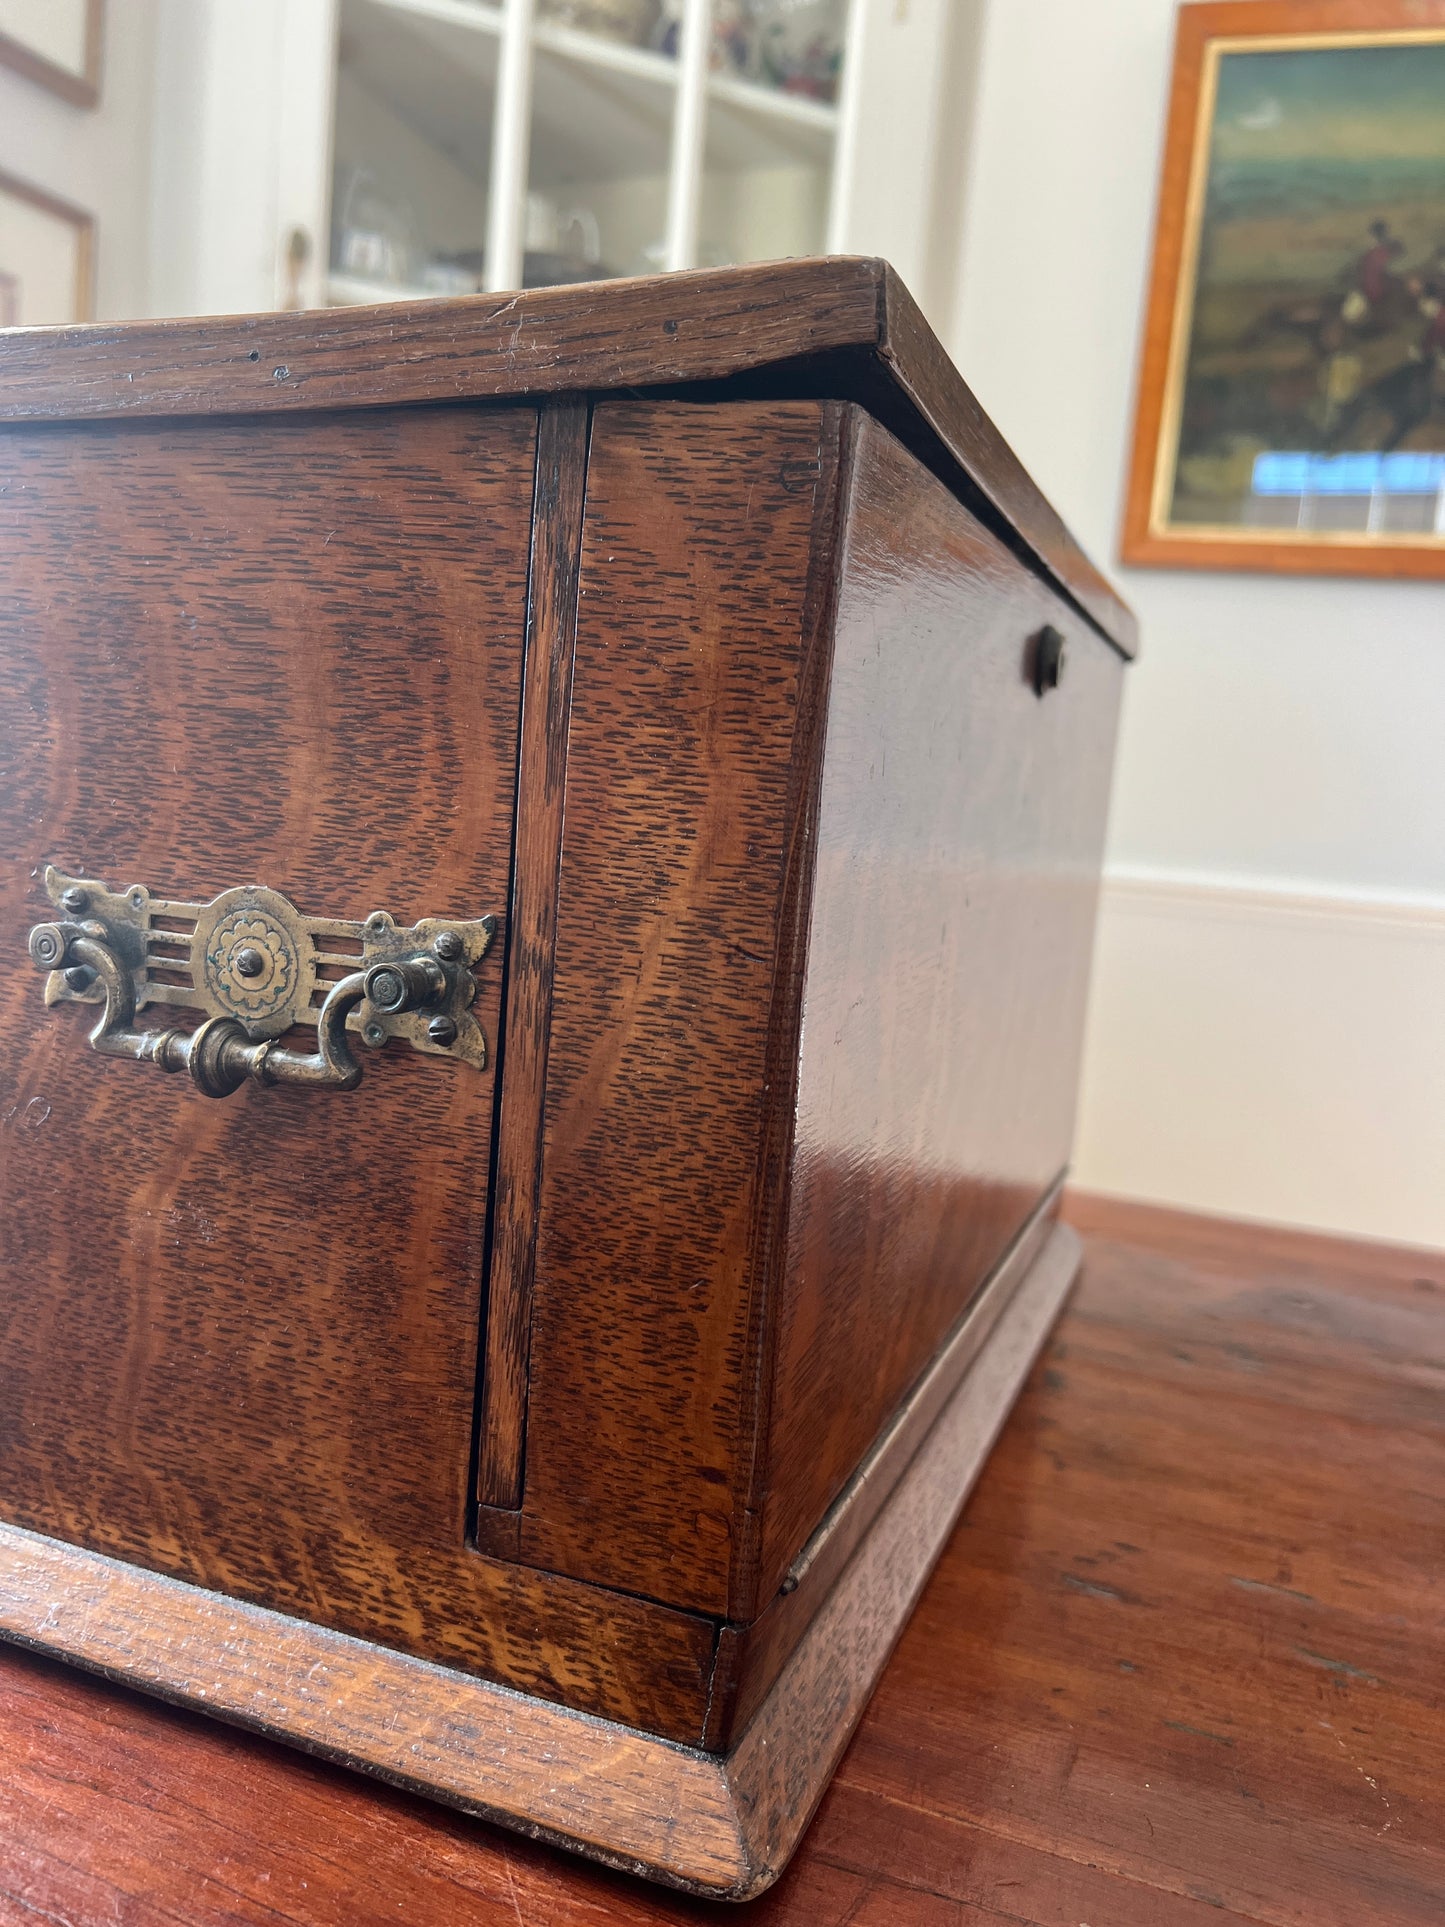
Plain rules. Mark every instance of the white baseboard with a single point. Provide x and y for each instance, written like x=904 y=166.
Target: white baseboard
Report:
x=1267 y=1053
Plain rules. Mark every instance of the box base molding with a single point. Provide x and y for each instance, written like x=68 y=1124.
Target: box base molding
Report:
x=751 y=1655
x=720 y=1825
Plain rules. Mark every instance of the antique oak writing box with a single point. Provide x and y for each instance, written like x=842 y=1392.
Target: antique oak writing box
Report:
x=607 y=787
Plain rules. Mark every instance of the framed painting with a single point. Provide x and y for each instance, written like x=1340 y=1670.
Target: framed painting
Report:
x=47 y=257
x=55 y=43
x=1291 y=411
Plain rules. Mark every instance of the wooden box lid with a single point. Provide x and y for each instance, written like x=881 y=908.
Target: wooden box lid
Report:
x=844 y=327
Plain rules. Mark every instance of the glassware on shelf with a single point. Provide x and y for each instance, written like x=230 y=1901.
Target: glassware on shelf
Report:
x=597 y=162
x=561 y=244
x=454 y=271
x=795 y=46
x=376 y=235
x=667 y=34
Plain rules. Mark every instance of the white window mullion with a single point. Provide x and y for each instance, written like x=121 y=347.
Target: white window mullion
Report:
x=689 y=135
x=511 y=139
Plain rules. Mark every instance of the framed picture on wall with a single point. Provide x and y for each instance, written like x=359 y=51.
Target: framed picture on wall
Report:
x=55 y=43
x=1291 y=410
x=47 y=257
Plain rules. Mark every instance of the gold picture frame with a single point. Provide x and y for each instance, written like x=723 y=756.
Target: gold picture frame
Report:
x=79 y=84
x=1291 y=406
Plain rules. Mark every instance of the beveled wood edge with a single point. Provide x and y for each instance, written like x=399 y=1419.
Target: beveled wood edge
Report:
x=751 y=1656
x=718 y=1826
x=705 y=325
x=770 y=1205
x=809 y=1717
x=901 y=1437
x=523 y=1029
x=922 y=368
x=540 y=1768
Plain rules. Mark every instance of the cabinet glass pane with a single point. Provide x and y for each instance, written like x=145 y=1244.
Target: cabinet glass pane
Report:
x=651 y=24
x=791 y=46
x=597 y=175
x=414 y=105
x=767 y=175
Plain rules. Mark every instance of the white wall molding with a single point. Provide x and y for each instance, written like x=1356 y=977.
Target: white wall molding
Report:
x=1271 y=1052
x=1269 y=1006
x=1251 y=897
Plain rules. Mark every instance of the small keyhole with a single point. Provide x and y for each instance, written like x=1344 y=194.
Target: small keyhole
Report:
x=1047 y=653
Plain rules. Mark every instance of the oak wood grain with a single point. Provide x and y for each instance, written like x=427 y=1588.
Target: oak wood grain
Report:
x=750 y=1656
x=729 y=1309
x=781 y=1763
x=582 y=673
x=960 y=830
x=1244 y=1241
x=720 y=1826
x=846 y=322
x=1027 y=1758
x=546 y=714
x=240 y=1339
x=695 y=712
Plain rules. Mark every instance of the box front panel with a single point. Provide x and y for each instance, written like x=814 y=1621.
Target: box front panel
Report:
x=238 y=1339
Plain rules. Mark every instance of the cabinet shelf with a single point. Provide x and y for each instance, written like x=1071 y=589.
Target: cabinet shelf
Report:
x=354 y=291
x=753 y=126
x=455 y=13
x=609 y=56
x=772 y=103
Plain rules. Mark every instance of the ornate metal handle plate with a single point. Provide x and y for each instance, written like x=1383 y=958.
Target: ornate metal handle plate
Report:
x=257 y=968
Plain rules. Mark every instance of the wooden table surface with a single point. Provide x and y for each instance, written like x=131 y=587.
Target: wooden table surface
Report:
x=1183 y=1662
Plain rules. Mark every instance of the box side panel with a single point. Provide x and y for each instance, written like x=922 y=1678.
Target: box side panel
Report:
x=238 y=1340
x=959 y=846
x=693 y=733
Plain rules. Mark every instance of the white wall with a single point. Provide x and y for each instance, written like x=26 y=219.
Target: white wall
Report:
x=83 y=155
x=200 y=99
x=1266 y=1035
x=912 y=68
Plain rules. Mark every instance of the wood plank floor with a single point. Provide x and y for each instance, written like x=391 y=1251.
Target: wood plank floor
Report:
x=1183 y=1662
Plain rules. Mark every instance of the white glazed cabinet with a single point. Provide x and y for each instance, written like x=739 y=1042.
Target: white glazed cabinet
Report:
x=324 y=152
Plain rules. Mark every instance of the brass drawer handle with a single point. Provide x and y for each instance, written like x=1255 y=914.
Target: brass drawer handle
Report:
x=257 y=968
